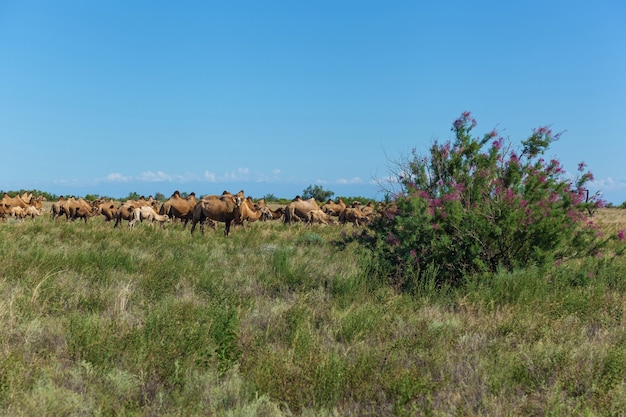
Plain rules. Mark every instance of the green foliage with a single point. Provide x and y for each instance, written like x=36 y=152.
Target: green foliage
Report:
x=475 y=206
x=133 y=195
x=270 y=197
x=317 y=192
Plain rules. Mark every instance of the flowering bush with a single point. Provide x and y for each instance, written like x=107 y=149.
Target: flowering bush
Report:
x=478 y=205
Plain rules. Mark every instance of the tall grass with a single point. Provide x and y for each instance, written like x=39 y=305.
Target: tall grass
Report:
x=274 y=320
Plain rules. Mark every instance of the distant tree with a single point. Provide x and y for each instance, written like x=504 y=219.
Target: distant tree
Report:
x=317 y=192
x=623 y=205
x=132 y=196
x=159 y=197
x=92 y=197
x=48 y=196
x=270 y=197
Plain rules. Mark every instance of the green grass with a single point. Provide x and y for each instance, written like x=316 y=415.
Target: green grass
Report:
x=276 y=321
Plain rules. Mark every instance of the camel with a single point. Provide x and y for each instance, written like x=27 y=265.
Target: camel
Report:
x=56 y=210
x=37 y=202
x=353 y=215
x=66 y=206
x=27 y=197
x=217 y=208
x=81 y=208
x=333 y=208
x=17 y=212
x=32 y=211
x=177 y=207
x=108 y=209
x=147 y=213
x=298 y=208
x=319 y=216
x=369 y=209
x=125 y=210
x=142 y=202
x=250 y=211
x=271 y=214
x=83 y=212
x=72 y=208
x=4 y=209
x=17 y=201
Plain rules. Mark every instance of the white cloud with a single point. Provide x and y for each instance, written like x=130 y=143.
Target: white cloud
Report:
x=117 y=177
x=209 y=176
x=241 y=174
x=159 y=176
x=73 y=181
x=354 y=180
x=608 y=184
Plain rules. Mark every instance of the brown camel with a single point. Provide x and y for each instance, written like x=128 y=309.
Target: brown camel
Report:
x=180 y=208
x=217 y=208
x=298 y=209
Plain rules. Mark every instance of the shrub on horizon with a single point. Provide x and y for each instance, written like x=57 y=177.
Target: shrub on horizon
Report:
x=478 y=205
x=318 y=192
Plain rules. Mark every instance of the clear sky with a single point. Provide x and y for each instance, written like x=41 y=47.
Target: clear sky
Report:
x=113 y=97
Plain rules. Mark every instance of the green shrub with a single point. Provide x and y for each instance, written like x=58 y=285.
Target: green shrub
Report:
x=318 y=192
x=476 y=205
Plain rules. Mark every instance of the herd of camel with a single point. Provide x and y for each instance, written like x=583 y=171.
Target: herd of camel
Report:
x=209 y=210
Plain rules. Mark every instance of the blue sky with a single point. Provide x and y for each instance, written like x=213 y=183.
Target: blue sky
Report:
x=113 y=97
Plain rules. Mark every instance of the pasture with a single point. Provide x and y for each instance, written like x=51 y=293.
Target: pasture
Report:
x=276 y=321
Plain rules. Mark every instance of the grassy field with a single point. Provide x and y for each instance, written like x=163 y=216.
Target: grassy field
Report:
x=276 y=321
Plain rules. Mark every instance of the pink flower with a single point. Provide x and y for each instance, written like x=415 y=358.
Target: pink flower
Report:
x=620 y=235
x=392 y=239
x=543 y=131
x=498 y=142
x=445 y=150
